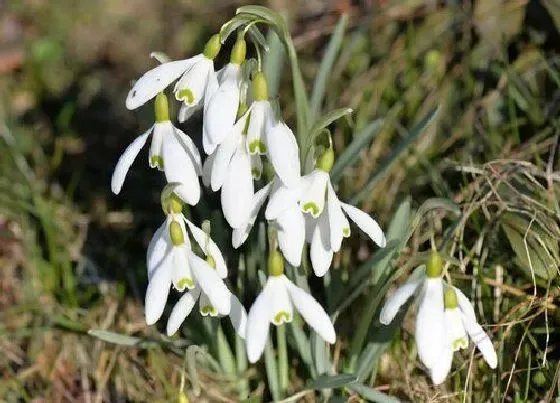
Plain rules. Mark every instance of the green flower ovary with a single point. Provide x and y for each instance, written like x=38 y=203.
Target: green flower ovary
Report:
x=260 y=87
x=176 y=233
x=282 y=317
x=212 y=47
x=434 y=265
x=161 y=108
x=275 y=263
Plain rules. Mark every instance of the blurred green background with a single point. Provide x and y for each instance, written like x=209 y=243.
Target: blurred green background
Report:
x=72 y=255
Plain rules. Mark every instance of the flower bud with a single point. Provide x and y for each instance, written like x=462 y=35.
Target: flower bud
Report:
x=450 y=298
x=176 y=233
x=275 y=263
x=161 y=108
x=434 y=265
x=260 y=87
x=238 y=52
x=212 y=47
x=325 y=161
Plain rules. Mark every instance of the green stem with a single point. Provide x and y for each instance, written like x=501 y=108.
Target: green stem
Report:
x=283 y=369
x=241 y=355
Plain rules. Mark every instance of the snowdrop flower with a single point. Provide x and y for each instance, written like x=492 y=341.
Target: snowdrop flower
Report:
x=266 y=135
x=171 y=261
x=198 y=79
x=221 y=108
x=171 y=151
x=289 y=225
x=231 y=169
x=275 y=304
x=443 y=320
x=328 y=225
x=182 y=309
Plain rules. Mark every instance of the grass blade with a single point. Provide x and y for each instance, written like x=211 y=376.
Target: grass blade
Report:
x=388 y=162
x=372 y=395
x=326 y=66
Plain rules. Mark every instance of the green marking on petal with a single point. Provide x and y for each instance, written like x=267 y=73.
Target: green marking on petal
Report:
x=459 y=344
x=156 y=161
x=346 y=232
x=256 y=173
x=185 y=283
x=257 y=146
x=211 y=262
x=311 y=207
x=282 y=317
x=208 y=310
x=185 y=95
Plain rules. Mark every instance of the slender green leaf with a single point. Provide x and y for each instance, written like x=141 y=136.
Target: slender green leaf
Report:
x=326 y=66
x=352 y=152
x=392 y=158
x=191 y=369
x=331 y=382
x=273 y=63
x=115 y=338
x=271 y=370
x=372 y=395
x=237 y=21
x=263 y=12
x=320 y=354
x=257 y=37
x=302 y=345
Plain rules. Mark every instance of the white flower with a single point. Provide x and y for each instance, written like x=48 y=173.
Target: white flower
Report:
x=198 y=79
x=441 y=324
x=221 y=108
x=171 y=261
x=315 y=195
x=171 y=151
x=275 y=304
x=289 y=225
x=266 y=135
x=230 y=169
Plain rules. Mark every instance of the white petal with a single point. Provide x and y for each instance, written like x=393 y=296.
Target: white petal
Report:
x=312 y=312
x=157 y=292
x=190 y=148
x=209 y=248
x=366 y=224
x=281 y=309
x=181 y=310
x=442 y=366
x=211 y=284
x=281 y=199
x=156 y=147
x=258 y=126
x=310 y=224
x=178 y=167
x=398 y=298
x=256 y=334
x=481 y=340
x=256 y=166
x=211 y=87
x=238 y=190
x=206 y=307
x=158 y=249
x=126 y=160
x=156 y=80
x=431 y=336
x=283 y=153
x=337 y=223
x=238 y=316
x=224 y=153
x=222 y=107
x=239 y=235
x=313 y=198
x=195 y=81
x=291 y=234
x=207 y=169
x=321 y=252
x=182 y=276
x=456 y=329
x=465 y=305
x=185 y=112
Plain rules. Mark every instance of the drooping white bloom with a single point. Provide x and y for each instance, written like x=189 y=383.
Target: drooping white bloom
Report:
x=289 y=225
x=275 y=304
x=441 y=323
x=171 y=151
x=315 y=195
x=221 y=109
x=197 y=78
x=171 y=261
x=231 y=170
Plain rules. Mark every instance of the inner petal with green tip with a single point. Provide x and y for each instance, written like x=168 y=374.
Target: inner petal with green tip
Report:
x=282 y=317
x=185 y=95
x=208 y=310
x=459 y=344
x=156 y=161
x=257 y=146
x=312 y=208
x=185 y=283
